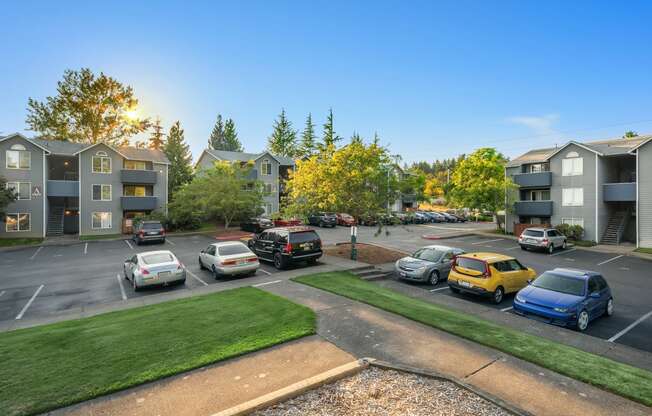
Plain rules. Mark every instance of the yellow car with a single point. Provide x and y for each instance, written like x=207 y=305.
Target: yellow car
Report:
x=488 y=274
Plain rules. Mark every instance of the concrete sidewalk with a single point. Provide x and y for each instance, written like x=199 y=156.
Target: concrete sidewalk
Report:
x=365 y=331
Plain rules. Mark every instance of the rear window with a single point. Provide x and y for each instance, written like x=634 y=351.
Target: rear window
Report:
x=152 y=226
x=533 y=233
x=303 y=237
x=471 y=264
x=157 y=258
x=232 y=249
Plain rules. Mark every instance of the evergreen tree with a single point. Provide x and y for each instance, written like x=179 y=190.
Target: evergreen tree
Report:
x=178 y=152
x=355 y=138
x=283 y=140
x=157 y=139
x=231 y=141
x=307 y=145
x=330 y=138
x=217 y=141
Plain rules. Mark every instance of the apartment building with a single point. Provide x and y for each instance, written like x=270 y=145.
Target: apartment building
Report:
x=73 y=188
x=604 y=186
x=272 y=170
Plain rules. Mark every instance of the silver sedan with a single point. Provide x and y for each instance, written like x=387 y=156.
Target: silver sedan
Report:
x=154 y=268
x=228 y=258
x=429 y=264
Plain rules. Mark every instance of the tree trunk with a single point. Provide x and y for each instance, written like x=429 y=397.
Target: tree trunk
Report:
x=498 y=223
x=227 y=221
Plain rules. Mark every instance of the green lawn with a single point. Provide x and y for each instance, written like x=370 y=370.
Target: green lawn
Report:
x=11 y=242
x=101 y=237
x=644 y=250
x=619 y=378
x=59 y=364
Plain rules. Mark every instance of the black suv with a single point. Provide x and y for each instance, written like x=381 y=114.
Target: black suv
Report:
x=287 y=245
x=323 y=219
x=148 y=231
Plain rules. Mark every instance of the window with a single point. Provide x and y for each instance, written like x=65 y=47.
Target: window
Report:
x=573 y=221
x=269 y=188
x=18 y=222
x=266 y=167
x=593 y=285
x=137 y=190
x=157 y=258
x=101 y=220
x=18 y=157
x=572 y=197
x=101 y=192
x=101 y=163
x=268 y=208
x=23 y=190
x=135 y=165
x=540 y=195
x=538 y=167
x=573 y=166
x=210 y=250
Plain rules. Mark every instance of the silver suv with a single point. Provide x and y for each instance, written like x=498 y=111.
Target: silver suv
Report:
x=547 y=239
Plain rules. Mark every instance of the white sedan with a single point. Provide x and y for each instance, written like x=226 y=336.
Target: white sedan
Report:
x=228 y=258
x=154 y=268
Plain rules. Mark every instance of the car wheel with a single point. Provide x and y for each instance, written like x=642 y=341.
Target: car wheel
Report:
x=216 y=275
x=582 y=321
x=454 y=289
x=498 y=295
x=136 y=288
x=551 y=248
x=523 y=248
x=279 y=263
x=433 y=279
x=321 y=224
x=312 y=262
x=201 y=265
x=610 y=308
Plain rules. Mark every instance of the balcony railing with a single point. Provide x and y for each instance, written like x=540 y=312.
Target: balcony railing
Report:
x=139 y=203
x=533 y=180
x=63 y=188
x=619 y=192
x=534 y=208
x=141 y=177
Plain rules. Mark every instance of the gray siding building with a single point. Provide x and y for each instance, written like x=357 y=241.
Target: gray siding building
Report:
x=78 y=188
x=604 y=186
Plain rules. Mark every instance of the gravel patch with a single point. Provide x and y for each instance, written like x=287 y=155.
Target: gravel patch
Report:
x=385 y=392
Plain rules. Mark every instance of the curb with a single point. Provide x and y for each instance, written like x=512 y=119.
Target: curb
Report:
x=444 y=237
x=295 y=389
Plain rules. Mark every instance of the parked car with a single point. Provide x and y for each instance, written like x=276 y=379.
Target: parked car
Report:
x=434 y=216
x=228 y=258
x=148 y=231
x=287 y=245
x=323 y=219
x=402 y=217
x=488 y=274
x=256 y=224
x=421 y=218
x=368 y=220
x=428 y=264
x=547 y=239
x=154 y=268
x=460 y=218
x=566 y=297
x=387 y=218
x=290 y=222
x=345 y=219
x=448 y=217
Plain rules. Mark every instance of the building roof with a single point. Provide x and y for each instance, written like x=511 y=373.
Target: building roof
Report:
x=533 y=156
x=245 y=157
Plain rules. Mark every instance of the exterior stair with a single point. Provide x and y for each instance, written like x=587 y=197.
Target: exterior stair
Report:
x=370 y=273
x=55 y=222
x=615 y=228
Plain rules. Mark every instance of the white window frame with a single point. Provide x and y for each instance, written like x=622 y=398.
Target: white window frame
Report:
x=18 y=214
x=269 y=208
x=573 y=166
x=573 y=221
x=266 y=164
x=101 y=227
x=102 y=185
x=576 y=198
x=17 y=189
x=18 y=151
x=102 y=156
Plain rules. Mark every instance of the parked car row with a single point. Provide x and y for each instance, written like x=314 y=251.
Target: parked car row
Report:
x=565 y=297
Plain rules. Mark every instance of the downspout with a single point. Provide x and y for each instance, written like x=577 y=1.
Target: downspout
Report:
x=79 y=198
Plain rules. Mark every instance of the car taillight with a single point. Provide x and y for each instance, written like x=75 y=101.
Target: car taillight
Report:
x=252 y=259
x=163 y=231
x=180 y=266
x=544 y=241
x=288 y=248
x=487 y=271
x=144 y=271
x=141 y=233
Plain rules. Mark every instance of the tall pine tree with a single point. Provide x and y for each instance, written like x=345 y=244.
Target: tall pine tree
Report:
x=355 y=138
x=216 y=141
x=283 y=140
x=178 y=152
x=231 y=141
x=307 y=144
x=157 y=138
x=330 y=138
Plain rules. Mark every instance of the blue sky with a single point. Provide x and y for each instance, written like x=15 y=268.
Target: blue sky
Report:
x=434 y=79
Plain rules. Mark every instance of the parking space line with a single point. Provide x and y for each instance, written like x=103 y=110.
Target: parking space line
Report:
x=37 y=251
x=2 y=293
x=486 y=241
x=629 y=328
x=513 y=248
x=122 y=289
x=265 y=271
x=196 y=277
x=167 y=240
x=438 y=289
x=22 y=312
x=610 y=260
x=509 y=308
x=85 y=248
x=266 y=283
x=563 y=252
x=129 y=244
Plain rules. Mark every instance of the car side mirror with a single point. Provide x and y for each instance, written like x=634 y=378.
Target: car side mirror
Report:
x=203 y=251
x=595 y=295
x=529 y=282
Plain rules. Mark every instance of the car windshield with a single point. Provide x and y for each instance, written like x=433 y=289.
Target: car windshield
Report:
x=232 y=249
x=303 y=237
x=152 y=226
x=533 y=233
x=157 y=258
x=428 y=254
x=559 y=283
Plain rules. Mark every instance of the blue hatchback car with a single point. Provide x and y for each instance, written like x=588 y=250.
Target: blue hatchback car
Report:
x=566 y=297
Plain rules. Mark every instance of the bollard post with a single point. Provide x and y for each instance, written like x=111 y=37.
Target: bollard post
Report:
x=354 y=235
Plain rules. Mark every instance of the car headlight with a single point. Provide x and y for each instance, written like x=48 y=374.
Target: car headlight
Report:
x=562 y=310
x=519 y=298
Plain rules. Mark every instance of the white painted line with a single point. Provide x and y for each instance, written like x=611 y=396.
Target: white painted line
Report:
x=122 y=289
x=570 y=250
x=37 y=251
x=513 y=248
x=507 y=309
x=267 y=283
x=486 y=241
x=438 y=289
x=196 y=278
x=22 y=312
x=2 y=293
x=129 y=244
x=265 y=271
x=629 y=328
x=86 y=248
x=167 y=240
x=611 y=259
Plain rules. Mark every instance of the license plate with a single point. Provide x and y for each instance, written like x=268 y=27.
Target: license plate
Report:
x=164 y=274
x=241 y=262
x=465 y=284
x=152 y=233
x=403 y=274
x=306 y=246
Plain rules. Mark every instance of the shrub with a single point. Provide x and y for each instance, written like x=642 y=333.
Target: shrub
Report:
x=573 y=232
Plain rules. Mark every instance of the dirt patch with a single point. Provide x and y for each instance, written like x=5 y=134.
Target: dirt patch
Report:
x=366 y=253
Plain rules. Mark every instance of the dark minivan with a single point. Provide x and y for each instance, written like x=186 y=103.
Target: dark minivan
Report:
x=148 y=231
x=287 y=245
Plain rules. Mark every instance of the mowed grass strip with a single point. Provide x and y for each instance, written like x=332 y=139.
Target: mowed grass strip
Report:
x=56 y=365
x=622 y=379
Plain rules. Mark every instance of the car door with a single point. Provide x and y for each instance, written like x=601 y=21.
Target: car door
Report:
x=130 y=265
x=596 y=305
x=265 y=245
x=507 y=275
x=446 y=264
x=209 y=256
x=521 y=275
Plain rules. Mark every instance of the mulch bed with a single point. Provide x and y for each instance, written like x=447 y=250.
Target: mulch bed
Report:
x=367 y=253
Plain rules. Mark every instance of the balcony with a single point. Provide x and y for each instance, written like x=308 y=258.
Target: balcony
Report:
x=63 y=188
x=140 y=177
x=534 y=208
x=139 y=203
x=534 y=180
x=619 y=192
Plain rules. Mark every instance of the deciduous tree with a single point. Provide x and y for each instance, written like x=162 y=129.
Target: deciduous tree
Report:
x=178 y=152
